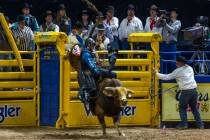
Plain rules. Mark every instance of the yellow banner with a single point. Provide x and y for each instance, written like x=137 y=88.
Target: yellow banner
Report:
x=17 y=113
x=137 y=112
x=170 y=102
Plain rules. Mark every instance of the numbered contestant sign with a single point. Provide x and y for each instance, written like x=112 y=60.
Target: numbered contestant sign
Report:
x=170 y=103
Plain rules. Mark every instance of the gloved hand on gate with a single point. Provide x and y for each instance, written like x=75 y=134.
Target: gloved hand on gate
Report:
x=107 y=73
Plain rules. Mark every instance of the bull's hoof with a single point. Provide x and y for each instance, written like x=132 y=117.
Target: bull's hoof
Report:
x=122 y=134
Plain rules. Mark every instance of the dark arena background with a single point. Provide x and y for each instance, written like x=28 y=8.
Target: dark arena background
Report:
x=189 y=9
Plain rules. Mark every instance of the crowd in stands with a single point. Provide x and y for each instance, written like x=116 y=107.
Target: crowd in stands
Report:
x=105 y=30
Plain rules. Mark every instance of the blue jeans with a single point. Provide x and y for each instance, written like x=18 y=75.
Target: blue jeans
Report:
x=168 y=47
x=115 y=43
x=189 y=97
x=125 y=45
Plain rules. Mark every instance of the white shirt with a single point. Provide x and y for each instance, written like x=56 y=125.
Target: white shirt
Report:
x=48 y=26
x=183 y=75
x=73 y=40
x=155 y=29
x=114 y=23
x=104 y=44
x=126 y=28
x=23 y=37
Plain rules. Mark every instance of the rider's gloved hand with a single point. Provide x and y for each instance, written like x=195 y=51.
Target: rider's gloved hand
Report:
x=112 y=74
x=107 y=73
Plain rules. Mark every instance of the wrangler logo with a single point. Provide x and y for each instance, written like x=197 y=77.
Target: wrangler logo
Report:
x=127 y=111
x=7 y=111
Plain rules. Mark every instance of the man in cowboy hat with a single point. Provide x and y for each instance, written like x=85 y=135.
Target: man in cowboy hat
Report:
x=62 y=20
x=85 y=20
x=86 y=23
x=29 y=19
x=114 y=24
x=184 y=76
x=23 y=35
x=100 y=20
x=49 y=25
x=150 y=25
x=129 y=25
x=75 y=36
x=101 y=40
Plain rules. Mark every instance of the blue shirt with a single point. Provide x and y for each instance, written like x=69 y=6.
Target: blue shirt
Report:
x=30 y=22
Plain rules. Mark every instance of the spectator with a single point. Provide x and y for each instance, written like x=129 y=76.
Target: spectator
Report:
x=101 y=40
x=151 y=21
x=29 y=19
x=114 y=23
x=74 y=37
x=23 y=35
x=62 y=20
x=100 y=20
x=85 y=20
x=5 y=46
x=8 y=21
x=49 y=25
x=86 y=23
x=170 y=35
x=74 y=46
x=129 y=25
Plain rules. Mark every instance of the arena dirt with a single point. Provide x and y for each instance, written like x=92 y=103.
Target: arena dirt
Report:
x=132 y=133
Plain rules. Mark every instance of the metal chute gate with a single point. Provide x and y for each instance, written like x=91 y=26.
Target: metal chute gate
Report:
x=42 y=90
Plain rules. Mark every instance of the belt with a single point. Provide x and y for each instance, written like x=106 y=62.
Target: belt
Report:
x=169 y=42
x=188 y=89
x=125 y=39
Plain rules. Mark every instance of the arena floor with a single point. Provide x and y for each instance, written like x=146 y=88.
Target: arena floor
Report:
x=132 y=133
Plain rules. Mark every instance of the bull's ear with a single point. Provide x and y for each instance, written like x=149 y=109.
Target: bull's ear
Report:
x=129 y=93
x=109 y=91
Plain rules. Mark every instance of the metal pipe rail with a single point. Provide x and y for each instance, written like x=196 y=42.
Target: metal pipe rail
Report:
x=11 y=41
x=13 y=83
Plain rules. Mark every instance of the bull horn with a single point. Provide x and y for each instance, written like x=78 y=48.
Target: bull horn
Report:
x=108 y=91
x=129 y=93
x=110 y=88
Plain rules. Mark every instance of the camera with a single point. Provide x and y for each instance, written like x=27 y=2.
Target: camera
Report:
x=198 y=33
x=164 y=17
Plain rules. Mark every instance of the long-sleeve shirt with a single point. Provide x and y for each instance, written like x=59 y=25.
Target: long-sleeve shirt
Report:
x=184 y=76
x=108 y=31
x=114 y=23
x=24 y=38
x=64 y=24
x=171 y=30
x=155 y=29
x=30 y=22
x=128 y=27
x=49 y=27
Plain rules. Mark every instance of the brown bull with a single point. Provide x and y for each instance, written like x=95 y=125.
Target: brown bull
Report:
x=110 y=102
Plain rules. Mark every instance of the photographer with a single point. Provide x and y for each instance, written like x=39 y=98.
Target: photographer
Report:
x=170 y=35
